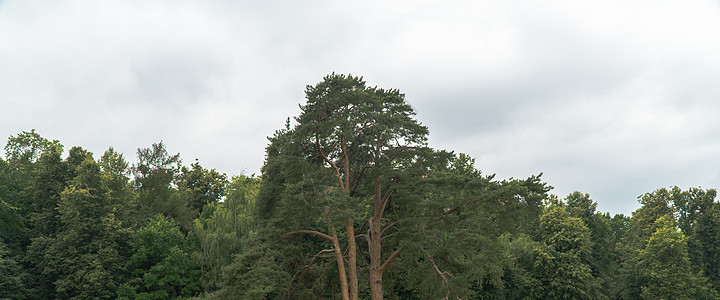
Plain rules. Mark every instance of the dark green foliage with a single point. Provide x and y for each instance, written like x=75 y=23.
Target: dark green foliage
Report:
x=561 y=259
x=13 y=279
x=85 y=254
x=204 y=186
x=161 y=265
x=155 y=174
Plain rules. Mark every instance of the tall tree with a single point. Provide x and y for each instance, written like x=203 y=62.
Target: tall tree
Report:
x=156 y=175
x=561 y=262
x=86 y=254
x=603 y=255
x=665 y=266
x=356 y=158
x=699 y=219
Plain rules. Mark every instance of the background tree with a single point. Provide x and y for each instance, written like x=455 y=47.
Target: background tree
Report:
x=156 y=175
x=665 y=266
x=85 y=255
x=561 y=260
x=203 y=186
x=161 y=265
x=13 y=278
x=223 y=228
x=698 y=217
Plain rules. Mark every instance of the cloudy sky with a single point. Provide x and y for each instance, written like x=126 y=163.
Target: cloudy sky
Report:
x=611 y=98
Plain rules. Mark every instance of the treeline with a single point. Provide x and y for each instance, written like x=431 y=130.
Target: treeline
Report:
x=351 y=204
x=85 y=228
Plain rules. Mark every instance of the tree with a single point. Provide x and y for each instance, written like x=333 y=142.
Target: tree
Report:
x=162 y=266
x=156 y=175
x=561 y=261
x=27 y=147
x=357 y=157
x=698 y=218
x=12 y=276
x=85 y=255
x=665 y=266
x=603 y=259
x=204 y=186
x=223 y=228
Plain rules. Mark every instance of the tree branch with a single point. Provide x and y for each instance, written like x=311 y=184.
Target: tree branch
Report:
x=390 y=259
x=441 y=273
x=389 y=226
x=454 y=209
x=363 y=225
x=321 y=275
x=387 y=236
x=385 y=201
x=327 y=160
x=310 y=232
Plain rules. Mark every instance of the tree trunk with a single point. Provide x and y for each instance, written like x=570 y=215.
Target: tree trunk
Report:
x=375 y=246
x=341 y=265
x=376 y=290
x=352 y=259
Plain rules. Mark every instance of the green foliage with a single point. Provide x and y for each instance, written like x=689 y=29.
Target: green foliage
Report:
x=27 y=147
x=81 y=228
x=258 y=272
x=665 y=266
x=204 y=186
x=223 y=231
x=85 y=254
x=162 y=266
x=13 y=278
x=155 y=176
x=561 y=259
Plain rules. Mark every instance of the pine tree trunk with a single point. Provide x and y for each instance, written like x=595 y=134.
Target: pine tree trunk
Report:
x=352 y=259
x=376 y=291
x=341 y=265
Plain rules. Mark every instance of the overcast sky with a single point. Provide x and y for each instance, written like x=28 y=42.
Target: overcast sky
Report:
x=611 y=98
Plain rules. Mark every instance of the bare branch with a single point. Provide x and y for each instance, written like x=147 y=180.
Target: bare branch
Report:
x=321 y=275
x=327 y=160
x=387 y=236
x=363 y=225
x=442 y=274
x=389 y=226
x=310 y=232
x=390 y=259
x=385 y=201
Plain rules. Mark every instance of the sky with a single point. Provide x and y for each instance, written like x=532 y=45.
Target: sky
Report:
x=610 y=98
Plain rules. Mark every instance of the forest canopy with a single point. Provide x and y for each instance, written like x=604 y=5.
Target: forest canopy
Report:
x=351 y=203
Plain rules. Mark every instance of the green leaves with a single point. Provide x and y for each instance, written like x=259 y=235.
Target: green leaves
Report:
x=161 y=265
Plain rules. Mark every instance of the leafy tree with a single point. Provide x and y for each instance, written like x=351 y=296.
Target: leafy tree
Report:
x=665 y=266
x=156 y=179
x=204 y=186
x=84 y=256
x=27 y=147
x=561 y=260
x=12 y=276
x=162 y=266
x=699 y=219
x=604 y=260
x=653 y=231
x=223 y=232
